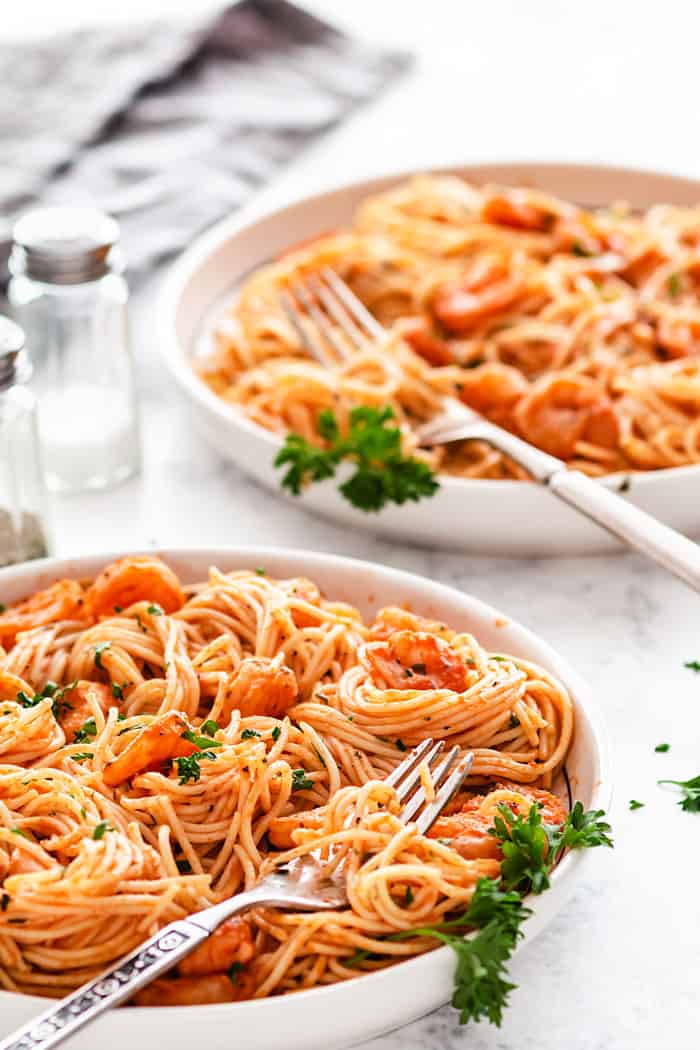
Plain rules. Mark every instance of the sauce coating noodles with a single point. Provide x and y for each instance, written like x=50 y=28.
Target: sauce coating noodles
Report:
x=579 y=330
x=161 y=746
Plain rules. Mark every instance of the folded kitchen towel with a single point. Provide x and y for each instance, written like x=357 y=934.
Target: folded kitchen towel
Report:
x=168 y=126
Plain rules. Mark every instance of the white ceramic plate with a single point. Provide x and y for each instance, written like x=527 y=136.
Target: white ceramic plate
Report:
x=342 y=1014
x=500 y=517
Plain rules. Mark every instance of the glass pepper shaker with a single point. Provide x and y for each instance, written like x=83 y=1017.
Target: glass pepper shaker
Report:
x=68 y=293
x=23 y=495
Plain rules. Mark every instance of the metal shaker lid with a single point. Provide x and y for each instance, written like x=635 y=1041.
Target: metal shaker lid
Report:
x=12 y=358
x=61 y=245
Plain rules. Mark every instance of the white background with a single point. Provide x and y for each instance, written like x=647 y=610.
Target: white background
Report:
x=614 y=82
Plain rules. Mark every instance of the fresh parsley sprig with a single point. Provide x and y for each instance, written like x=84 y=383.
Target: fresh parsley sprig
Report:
x=497 y=912
x=691 y=793
x=383 y=474
x=481 y=984
x=531 y=848
x=188 y=767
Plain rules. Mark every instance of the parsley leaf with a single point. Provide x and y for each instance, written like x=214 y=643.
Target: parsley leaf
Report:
x=100 y=829
x=188 y=767
x=154 y=610
x=531 y=848
x=481 y=985
x=383 y=474
x=692 y=665
x=691 y=793
x=249 y=734
x=662 y=748
x=300 y=781
x=276 y=733
x=209 y=727
x=99 y=649
x=86 y=733
x=117 y=691
x=634 y=804
x=200 y=741
x=80 y=756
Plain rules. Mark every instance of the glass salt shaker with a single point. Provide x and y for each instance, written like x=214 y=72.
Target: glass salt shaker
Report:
x=68 y=293
x=23 y=495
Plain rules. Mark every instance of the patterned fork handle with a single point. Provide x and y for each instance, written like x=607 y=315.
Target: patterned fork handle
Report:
x=112 y=987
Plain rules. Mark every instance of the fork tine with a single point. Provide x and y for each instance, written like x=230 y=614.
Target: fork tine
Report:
x=407 y=785
x=311 y=344
x=415 y=804
x=412 y=759
x=434 y=809
x=340 y=314
x=306 y=298
x=353 y=305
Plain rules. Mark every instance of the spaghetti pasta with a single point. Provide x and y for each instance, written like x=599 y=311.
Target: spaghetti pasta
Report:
x=160 y=755
x=577 y=329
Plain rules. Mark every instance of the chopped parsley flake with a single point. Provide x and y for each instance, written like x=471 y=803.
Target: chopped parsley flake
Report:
x=101 y=829
x=276 y=733
x=693 y=665
x=300 y=781
x=188 y=767
x=87 y=732
x=249 y=734
x=662 y=748
x=99 y=649
x=154 y=610
x=200 y=741
x=634 y=804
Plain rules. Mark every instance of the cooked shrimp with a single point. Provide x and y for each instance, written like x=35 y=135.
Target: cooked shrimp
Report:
x=306 y=591
x=513 y=209
x=196 y=991
x=231 y=943
x=677 y=337
x=467 y=828
x=421 y=337
x=281 y=829
x=493 y=389
x=77 y=705
x=129 y=580
x=415 y=660
x=561 y=410
x=392 y=619
x=63 y=600
x=488 y=288
x=261 y=687
x=158 y=743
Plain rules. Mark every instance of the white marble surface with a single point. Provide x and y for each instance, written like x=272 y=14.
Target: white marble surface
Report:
x=620 y=968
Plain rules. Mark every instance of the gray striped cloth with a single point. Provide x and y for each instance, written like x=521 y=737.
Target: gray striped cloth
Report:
x=169 y=126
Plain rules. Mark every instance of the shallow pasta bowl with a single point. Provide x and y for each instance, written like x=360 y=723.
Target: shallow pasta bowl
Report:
x=335 y=1016
x=500 y=517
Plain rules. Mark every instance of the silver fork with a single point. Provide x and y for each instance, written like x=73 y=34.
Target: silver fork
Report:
x=320 y=305
x=298 y=886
